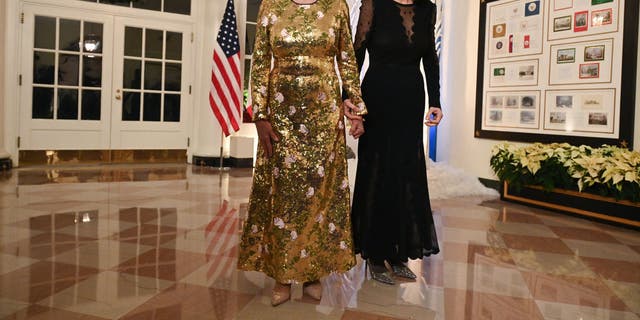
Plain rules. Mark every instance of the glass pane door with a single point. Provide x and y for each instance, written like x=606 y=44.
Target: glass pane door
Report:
x=64 y=80
x=151 y=75
x=151 y=92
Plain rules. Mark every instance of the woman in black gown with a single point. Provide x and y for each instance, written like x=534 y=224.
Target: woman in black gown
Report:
x=391 y=214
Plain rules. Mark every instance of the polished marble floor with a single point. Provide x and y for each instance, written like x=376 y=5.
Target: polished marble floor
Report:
x=160 y=242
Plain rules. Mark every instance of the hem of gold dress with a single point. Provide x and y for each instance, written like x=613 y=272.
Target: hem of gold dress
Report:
x=301 y=279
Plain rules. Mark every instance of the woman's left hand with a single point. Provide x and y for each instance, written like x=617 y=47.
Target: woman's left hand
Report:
x=435 y=120
x=357 y=128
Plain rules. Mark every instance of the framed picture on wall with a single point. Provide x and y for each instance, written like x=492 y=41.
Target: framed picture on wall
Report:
x=572 y=86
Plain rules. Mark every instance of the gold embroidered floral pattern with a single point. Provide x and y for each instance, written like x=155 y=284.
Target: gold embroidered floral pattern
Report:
x=298 y=226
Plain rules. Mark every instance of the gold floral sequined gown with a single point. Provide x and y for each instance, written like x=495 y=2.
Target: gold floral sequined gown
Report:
x=298 y=226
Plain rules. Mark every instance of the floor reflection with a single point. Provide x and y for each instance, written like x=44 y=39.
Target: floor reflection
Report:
x=161 y=242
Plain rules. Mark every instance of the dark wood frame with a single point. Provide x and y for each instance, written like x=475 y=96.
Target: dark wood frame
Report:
x=627 y=94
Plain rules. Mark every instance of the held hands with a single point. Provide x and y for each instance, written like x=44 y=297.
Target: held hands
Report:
x=433 y=117
x=357 y=127
x=267 y=136
x=351 y=110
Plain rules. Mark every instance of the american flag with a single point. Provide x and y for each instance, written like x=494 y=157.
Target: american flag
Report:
x=226 y=89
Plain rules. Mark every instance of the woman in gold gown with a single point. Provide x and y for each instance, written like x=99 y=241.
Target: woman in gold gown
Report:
x=298 y=227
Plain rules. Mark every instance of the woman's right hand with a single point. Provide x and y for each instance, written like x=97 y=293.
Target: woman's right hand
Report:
x=350 y=110
x=267 y=136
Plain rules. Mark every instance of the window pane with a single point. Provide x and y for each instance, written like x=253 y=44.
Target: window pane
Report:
x=68 y=104
x=172 y=76
x=132 y=73
x=92 y=37
x=153 y=46
x=45 y=33
x=151 y=107
x=131 y=106
x=42 y=104
x=174 y=46
x=92 y=71
x=148 y=4
x=152 y=75
x=68 y=67
x=91 y=104
x=252 y=10
x=69 y=35
x=132 y=42
x=43 y=67
x=172 y=108
x=177 y=6
x=250 y=38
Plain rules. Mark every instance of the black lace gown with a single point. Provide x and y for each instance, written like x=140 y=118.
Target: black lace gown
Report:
x=391 y=213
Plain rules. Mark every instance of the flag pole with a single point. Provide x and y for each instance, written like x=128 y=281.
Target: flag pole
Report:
x=221 y=167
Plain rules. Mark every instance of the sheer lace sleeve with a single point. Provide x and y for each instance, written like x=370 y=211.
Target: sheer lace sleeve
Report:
x=430 y=61
x=365 y=21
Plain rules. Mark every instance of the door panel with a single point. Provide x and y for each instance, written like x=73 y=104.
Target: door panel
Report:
x=151 y=93
x=96 y=81
x=65 y=96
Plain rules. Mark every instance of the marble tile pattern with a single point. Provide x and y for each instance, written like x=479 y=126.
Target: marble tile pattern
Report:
x=160 y=242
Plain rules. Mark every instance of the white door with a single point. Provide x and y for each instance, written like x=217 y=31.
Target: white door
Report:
x=151 y=99
x=66 y=86
x=93 y=81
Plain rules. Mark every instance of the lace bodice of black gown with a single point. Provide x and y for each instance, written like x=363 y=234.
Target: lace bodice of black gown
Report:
x=391 y=214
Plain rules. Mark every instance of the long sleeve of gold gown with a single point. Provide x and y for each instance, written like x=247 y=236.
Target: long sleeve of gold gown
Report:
x=298 y=226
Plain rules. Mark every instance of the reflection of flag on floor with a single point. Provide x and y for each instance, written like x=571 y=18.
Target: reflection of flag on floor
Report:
x=222 y=238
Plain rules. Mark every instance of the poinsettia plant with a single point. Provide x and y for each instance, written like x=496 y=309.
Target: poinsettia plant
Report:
x=608 y=171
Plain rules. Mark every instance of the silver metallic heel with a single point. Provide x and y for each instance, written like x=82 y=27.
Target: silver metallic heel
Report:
x=403 y=271
x=380 y=276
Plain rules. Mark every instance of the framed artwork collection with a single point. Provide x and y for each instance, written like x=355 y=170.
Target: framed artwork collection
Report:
x=557 y=71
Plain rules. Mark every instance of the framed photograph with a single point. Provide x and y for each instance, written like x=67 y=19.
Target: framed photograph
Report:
x=558 y=117
x=601 y=17
x=526 y=72
x=495 y=115
x=581 y=21
x=511 y=102
x=564 y=102
x=527 y=117
x=598 y=118
x=566 y=55
x=562 y=23
x=557 y=71
x=594 y=53
x=496 y=101
x=562 y=4
x=592 y=102
x=528 y=102
x=589 y=70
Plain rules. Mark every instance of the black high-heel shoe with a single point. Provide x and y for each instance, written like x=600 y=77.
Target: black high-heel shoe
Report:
x=381 y=274
x=401 y=270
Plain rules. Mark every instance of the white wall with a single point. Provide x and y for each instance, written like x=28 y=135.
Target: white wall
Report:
x=207 y=135
x=456 y=142
x=3 y=18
